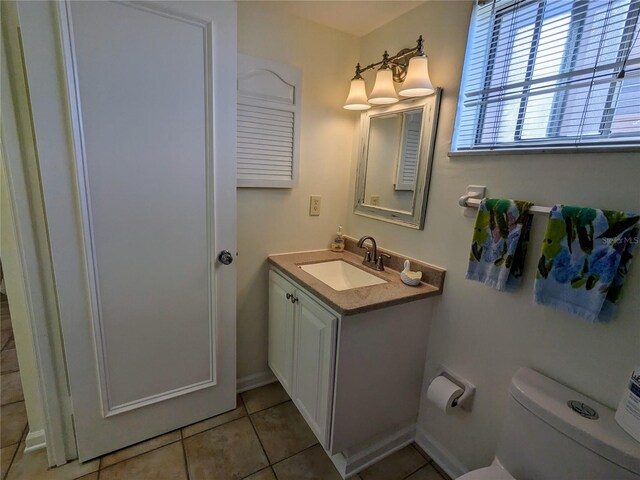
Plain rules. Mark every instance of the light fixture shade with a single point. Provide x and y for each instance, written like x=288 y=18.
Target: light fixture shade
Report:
x=357 y=98
x=383 y=92
x=417 y=83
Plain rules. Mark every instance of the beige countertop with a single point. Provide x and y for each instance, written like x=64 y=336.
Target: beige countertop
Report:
x=363 y=299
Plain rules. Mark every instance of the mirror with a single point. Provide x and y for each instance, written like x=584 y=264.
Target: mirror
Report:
x=396 y=150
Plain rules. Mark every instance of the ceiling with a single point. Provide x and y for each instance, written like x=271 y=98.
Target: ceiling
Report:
x=355 y=17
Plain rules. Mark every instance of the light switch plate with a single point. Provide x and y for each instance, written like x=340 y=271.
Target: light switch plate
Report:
x=314 y=205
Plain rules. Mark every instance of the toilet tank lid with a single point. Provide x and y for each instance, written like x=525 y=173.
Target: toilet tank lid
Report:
x=547 y=399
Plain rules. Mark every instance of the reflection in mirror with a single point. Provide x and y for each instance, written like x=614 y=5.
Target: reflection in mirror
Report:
x=392 y=164
x=396 y=148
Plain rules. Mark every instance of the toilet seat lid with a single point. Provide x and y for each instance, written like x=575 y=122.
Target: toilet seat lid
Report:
x=494 y=472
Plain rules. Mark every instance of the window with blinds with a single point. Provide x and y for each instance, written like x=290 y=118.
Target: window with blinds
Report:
x=268 y=123
x=551 y=73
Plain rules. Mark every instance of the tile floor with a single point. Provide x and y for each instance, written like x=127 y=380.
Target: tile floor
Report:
x=264 y=438
x=13 y=416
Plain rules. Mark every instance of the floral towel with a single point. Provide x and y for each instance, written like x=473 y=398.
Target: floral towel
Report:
x=500 y=239
x=585 y=257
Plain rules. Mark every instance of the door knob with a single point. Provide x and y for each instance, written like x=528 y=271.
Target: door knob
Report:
x=225 y=257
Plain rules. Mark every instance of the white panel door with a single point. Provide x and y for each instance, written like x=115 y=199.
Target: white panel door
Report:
x=149 y=329
x=315 y=341
x=281 y=310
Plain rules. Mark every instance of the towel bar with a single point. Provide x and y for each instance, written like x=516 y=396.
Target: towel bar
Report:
x=467 y=201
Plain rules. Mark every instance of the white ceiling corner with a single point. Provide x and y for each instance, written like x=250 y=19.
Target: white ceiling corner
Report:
x=354 y=17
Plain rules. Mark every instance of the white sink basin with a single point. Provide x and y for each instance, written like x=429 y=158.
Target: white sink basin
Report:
x=341 y=275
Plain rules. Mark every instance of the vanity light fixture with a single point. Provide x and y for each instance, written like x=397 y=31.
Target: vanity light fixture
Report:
x=409 y=66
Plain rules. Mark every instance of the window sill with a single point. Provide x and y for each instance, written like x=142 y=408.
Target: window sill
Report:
x=544 y=150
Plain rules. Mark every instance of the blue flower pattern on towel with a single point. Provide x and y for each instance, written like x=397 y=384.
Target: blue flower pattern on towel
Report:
x=585 y=257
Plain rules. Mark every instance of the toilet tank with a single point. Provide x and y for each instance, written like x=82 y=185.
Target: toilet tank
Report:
x=543 y=438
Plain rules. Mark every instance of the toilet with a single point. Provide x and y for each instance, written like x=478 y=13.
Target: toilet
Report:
x=554 y=433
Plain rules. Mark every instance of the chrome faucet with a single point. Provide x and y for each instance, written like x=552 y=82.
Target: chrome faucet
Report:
x=371 y=258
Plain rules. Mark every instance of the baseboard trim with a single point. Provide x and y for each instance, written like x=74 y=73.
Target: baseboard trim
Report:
x=372 y=453
x=35 y=441
x=255 y=380
x=442 y=456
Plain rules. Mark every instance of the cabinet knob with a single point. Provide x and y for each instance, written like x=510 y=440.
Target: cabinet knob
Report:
x=291 y=297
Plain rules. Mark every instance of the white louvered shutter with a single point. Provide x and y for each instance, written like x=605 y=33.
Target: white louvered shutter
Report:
x=408 y=161
x=269 y=96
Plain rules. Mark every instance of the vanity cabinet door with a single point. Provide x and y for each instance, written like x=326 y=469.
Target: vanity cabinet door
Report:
x=315 y=340
x=281 y=311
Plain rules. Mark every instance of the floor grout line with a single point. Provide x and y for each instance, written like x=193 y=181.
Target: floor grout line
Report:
x=291 y=456
x=11 y=403
x=267 y=408
x=6 y=345
x=15 y=453
x=211 y=428
x=440 y=471
x=255 y=430
x=416 y=470
x=263 y=468
x=184 y=455
x=259 y=440
x=137 y=455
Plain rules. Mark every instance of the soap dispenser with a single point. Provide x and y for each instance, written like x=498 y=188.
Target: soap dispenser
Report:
x=338 y=243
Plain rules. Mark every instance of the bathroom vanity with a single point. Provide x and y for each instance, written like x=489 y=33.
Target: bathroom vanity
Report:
x=350 y=355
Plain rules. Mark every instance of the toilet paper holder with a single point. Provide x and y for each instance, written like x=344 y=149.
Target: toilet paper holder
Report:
x=465 y=401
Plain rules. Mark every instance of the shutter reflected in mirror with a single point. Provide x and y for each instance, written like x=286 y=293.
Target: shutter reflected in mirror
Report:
x=269 y=96
x=409 y=149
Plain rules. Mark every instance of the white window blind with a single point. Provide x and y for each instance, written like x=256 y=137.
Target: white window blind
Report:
x=544 y=73
x=268 y=136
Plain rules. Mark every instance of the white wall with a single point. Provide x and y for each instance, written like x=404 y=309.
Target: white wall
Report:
x=482 y=334
x=277 y=220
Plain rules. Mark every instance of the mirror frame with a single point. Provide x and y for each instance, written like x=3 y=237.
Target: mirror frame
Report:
x=416 y=217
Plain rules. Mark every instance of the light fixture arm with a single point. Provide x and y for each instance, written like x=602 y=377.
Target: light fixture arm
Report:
x=398 y=63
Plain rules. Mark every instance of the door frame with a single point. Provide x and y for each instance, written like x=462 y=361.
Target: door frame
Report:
x=19 y=156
